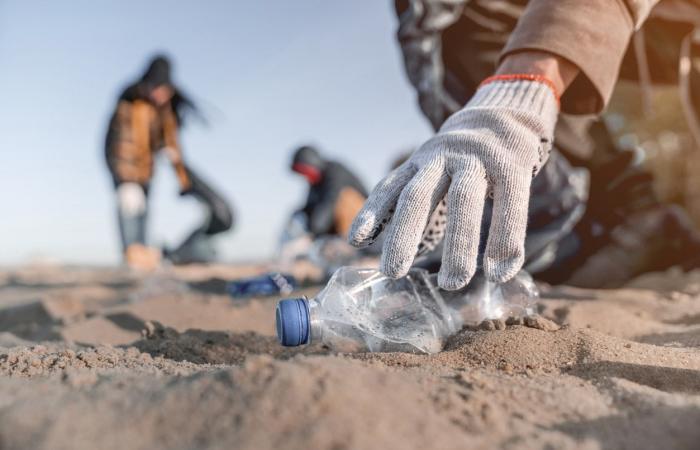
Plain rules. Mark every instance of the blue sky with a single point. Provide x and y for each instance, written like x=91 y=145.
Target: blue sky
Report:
x=269 y=75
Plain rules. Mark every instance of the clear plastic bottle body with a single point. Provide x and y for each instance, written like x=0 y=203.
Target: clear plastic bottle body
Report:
x=487 y=300
x=363 y=310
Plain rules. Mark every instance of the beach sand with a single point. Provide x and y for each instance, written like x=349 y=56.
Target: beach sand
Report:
x=103 y=358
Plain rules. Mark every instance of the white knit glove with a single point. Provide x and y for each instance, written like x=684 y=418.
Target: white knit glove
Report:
x=493 y=146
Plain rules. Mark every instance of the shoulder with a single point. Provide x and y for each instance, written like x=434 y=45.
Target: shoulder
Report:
x=336 y=167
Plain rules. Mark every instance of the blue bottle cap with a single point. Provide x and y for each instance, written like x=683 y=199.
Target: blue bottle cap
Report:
x=292 y=319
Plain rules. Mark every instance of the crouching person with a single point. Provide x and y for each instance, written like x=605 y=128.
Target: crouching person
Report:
x=335 y=193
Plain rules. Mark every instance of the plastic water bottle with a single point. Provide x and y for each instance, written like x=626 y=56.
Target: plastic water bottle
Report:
x=263 y=285
x=363 y=310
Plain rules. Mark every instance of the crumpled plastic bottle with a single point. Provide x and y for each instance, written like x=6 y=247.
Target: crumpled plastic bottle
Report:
x=363 y=310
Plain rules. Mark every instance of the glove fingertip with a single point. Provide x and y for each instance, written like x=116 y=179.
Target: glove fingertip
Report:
x=500 y=271
x=359 y=243
x=450 y=282
x=394 y=269
x=360 y=234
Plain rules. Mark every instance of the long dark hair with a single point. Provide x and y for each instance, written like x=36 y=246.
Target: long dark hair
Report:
x=157 y=74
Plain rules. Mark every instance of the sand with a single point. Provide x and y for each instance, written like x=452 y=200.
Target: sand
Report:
x=104 y=358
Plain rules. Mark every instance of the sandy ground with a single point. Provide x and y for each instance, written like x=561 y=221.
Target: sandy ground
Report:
x=101 y=358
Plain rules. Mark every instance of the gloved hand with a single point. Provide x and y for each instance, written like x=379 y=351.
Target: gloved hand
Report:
x=493 y=146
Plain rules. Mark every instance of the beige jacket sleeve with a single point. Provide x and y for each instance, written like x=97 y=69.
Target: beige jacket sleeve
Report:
x=170 y=129
x=592 y=34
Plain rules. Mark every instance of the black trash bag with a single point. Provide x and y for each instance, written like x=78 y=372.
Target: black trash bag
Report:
x=198 y=246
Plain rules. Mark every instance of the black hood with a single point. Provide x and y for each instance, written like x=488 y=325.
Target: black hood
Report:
x=158 y=73
x=309 y=156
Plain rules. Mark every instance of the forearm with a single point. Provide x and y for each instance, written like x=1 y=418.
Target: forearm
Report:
x=182 y=176
x=552 y=67
x=172 y=149
x=591 y=34
x=321 y=219
x=175 y=156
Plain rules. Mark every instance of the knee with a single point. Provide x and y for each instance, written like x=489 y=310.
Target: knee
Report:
x=131 y=199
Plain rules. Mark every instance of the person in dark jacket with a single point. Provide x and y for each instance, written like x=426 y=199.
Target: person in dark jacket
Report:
x=335 y=194
x=146 y=121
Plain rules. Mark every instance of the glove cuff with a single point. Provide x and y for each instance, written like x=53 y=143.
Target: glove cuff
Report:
x=532 y=94
x=524 y=77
